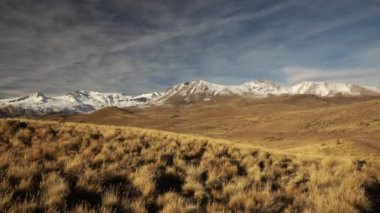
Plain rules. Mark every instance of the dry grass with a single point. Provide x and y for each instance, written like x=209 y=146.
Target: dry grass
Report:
x=55 y=167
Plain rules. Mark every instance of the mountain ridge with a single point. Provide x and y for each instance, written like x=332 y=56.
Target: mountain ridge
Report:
x=82 y=101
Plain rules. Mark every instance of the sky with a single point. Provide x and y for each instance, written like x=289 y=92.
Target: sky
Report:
x=135 y=47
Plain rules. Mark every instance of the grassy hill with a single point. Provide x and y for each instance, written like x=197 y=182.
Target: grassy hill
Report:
x=55 y=166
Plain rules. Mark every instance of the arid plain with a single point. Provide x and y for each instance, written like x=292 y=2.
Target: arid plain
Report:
x=304 y=123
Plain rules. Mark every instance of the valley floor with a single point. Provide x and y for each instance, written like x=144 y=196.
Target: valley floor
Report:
x=300 y=124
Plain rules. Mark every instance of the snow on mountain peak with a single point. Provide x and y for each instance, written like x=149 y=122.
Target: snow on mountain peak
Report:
x=261 y=83
x=201 y=90
x=87 y=101
x=78 y=101
x=261 y=87
x=36 y=97
x=325 y=88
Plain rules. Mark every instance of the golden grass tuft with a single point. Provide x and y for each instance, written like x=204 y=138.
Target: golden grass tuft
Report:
x=54 y=190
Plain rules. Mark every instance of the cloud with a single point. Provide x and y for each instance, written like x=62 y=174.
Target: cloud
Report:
x=295 y=74
x=141 y=46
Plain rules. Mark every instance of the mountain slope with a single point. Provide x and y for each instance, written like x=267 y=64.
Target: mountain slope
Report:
x=184 y=93
x=326 y=89
x=203 y=90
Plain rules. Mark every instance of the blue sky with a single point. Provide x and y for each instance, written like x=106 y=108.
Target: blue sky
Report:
x=140 y=46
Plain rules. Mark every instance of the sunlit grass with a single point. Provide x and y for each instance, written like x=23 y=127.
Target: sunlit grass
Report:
x=51 y=166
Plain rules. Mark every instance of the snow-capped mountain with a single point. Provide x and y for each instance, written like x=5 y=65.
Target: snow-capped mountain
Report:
x=202 y=90
x=88 y=101
x=79 y=101
x=326 y=89
x=198 y=90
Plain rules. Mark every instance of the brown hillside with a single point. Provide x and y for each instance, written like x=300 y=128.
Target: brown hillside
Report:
x=276 y=122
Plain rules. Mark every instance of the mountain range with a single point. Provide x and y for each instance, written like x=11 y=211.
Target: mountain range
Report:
x=87 y=101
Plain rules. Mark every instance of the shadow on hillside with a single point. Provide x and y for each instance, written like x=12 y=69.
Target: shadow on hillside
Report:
x=373 y=192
